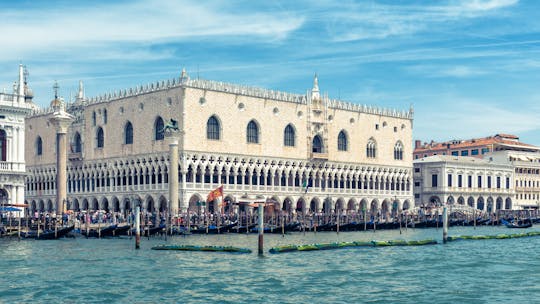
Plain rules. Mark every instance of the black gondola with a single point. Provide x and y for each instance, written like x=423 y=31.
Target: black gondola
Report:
x=212 y=229
x=47 y=234
x=121 y=230
x=526 y=223
x=107 y=231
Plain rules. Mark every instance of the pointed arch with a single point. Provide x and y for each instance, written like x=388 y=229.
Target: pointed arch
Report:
x=158 y=128
x=342 y=141
x=289 y=135
x=252 y=132
x=317 y=145
x=398 y=150
x=100 y=138
x=77 y=143
x=128 y=133
x=371 y=148
x=39 y=146
x=213 y=128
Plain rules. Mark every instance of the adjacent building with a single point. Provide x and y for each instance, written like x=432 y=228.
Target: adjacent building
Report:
x=13 y=109
x=526 y=167
x=475 y=147
x=483 y=184
x=307 y=152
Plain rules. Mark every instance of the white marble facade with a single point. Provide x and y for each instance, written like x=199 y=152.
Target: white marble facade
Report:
x=250 y=140
x=483 y=184
x=13 y=109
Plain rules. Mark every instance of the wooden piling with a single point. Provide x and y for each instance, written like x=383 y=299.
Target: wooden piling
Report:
x=261 y=228
x=137 y=227
x=445 y=224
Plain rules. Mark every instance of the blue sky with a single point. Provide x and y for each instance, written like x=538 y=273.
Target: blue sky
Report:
x=470 y=68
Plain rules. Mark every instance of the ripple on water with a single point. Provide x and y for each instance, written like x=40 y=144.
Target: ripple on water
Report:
x=110 y=270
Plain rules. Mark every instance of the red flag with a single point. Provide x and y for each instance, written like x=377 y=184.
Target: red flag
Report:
x=214 y=194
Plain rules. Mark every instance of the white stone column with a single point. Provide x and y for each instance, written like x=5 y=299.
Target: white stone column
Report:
x=173 y=175
x=61 y=120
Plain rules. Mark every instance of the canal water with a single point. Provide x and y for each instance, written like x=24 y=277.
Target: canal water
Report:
x=80 y=270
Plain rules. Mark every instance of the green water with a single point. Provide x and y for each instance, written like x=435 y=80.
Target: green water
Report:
x=111 y=271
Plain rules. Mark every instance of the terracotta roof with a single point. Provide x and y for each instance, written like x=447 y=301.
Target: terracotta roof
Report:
x=499 y=139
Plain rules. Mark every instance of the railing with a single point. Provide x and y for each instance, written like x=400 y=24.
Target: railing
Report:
x=75 y=156
x=315 y=155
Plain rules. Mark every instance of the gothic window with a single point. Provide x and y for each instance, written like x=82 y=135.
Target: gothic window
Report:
x=371 y=148
x=317 y=145
x=212 y=128
x=39 y=146
x=342 y=141
x=128 y=133
x=158 y=129
x=100 y=138
x=77 y=146
x=3 y=144
x=94 y=118
x=252 y=132
x=104 y=116
x=288 y=136
x=398 y=151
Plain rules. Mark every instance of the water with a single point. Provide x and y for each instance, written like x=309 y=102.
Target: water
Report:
x=112 y=271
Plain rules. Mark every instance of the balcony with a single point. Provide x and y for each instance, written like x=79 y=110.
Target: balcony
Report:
x=319 y=156
x=75 y=156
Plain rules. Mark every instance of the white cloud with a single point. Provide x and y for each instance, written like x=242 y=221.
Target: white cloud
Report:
x=376 y=21
x=484 y=5
x=47 y=29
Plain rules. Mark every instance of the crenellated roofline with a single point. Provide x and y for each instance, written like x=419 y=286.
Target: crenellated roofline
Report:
x=218 y=86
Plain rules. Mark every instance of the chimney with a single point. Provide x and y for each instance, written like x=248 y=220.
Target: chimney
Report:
x=417 y=144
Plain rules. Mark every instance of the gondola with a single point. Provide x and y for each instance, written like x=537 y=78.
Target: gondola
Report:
x=152 y=230
x=104 y=232
x=526 y=223
x=295 y=226
x=121 y=230
x=242 y=229
x=47 y=234
x=212 y=229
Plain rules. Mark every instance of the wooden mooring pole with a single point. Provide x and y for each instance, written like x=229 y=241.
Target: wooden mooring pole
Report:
x=137 y=227
x=261 y=228
x=445 y=224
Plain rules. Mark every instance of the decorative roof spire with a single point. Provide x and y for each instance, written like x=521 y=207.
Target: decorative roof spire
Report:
x=20 y=86
x=315 y=91
x=80 y=94
x=184 y=76
x=55 y=88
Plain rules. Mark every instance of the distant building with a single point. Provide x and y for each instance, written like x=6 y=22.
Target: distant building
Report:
x=500 y=149
x=526 y=174
x=480 y=183
x=13 y=109
x=475 y=147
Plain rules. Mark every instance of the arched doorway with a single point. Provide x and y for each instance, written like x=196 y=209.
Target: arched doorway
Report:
x=508 y=204
x=314 y=205
x=480 y=203
x=300 y=206
x=317 y=146
x=499 y=205
x=470 y=202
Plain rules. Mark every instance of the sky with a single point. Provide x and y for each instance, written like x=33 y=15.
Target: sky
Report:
x=470 y=68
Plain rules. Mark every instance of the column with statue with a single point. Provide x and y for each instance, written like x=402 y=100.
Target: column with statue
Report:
x=61 y=120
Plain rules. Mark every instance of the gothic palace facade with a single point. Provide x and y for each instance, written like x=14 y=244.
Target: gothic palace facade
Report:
x=252 y=141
